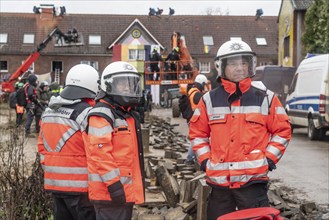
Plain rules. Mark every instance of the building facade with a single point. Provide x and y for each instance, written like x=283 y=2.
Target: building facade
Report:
x=131 y=38
x=291 y=27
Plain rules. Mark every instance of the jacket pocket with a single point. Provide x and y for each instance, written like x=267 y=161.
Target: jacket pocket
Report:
x=255 y=124
x=126 y=179
x=218 y=135
x=123 y=151
x=254 y=131
x=127 y=173
x=255 y=119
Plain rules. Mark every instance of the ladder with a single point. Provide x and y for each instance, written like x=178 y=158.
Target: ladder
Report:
x=57 y=76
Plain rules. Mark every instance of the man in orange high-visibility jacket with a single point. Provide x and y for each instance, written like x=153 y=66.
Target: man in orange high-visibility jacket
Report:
x=194 y=94
x=239 y=131
x=61 y=144
x=115 y=151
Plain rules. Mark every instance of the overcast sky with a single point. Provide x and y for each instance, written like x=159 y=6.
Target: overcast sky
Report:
x=199 y=7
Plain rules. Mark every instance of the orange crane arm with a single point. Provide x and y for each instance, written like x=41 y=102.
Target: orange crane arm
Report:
x=8 y=86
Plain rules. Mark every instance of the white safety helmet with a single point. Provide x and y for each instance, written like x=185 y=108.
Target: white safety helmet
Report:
x=43 y=84
x=201 y=79
x=235 y=49
x=122 y=73
x=81 y=82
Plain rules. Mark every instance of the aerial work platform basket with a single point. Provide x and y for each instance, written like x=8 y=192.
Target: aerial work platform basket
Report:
x=169 y=72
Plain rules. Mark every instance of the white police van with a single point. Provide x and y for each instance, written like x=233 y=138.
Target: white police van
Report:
x=307 y=103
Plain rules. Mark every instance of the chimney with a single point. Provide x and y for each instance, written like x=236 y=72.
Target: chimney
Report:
x=48 y=11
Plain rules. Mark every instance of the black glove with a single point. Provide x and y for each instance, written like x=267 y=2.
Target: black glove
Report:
x=203 y=165
x=271 y=164
x=117 y=193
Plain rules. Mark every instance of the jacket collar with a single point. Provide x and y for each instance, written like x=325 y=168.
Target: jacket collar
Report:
x=107 y=100
x=230 y=87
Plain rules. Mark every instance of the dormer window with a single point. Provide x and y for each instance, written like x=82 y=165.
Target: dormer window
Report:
x=3 y=38
x=28 y=39
x=236 y=38
x=261 y=41
x=95 y=40
x=208 y=40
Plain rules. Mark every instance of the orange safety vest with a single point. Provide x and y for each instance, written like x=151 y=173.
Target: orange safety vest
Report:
x=19 y=109
x=62 y=149
x=115 y=153
x=238 y=138
x=191 y=93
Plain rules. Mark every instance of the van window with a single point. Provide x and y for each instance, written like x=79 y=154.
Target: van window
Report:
x=293 y=84
x=309 y=82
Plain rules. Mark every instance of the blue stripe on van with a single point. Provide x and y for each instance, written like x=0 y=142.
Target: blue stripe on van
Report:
x=304 y=106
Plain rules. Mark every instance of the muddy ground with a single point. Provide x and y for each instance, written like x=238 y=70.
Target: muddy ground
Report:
x=310 y=190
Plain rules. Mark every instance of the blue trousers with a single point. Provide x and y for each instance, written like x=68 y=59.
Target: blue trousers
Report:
x=29 y=120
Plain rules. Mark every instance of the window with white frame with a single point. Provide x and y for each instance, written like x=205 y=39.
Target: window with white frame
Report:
x=204 y=67
x=31 y=68
x=135 y=54
x=261 y=41
x=208 y=40
x=95 y=40
x=3 y=66
x=91 y=63
x=3 y=38
x=28 y=39
x=236 y=38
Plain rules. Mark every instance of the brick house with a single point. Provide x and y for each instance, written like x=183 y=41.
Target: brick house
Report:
x=105 y=38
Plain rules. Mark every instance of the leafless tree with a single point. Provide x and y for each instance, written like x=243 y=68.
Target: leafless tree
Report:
x=216 y=11
x=21 y=185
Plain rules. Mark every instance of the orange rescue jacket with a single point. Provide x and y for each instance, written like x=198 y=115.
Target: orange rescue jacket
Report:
x=115 y=153
x=237 y=137
x=62 y=149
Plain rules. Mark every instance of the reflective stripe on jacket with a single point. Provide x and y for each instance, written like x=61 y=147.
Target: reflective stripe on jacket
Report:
x=115 y=153
x=238 y=137
x=62 y=149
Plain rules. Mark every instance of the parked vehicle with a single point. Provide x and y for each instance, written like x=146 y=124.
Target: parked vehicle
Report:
x=276 y=79
x=308 y=98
